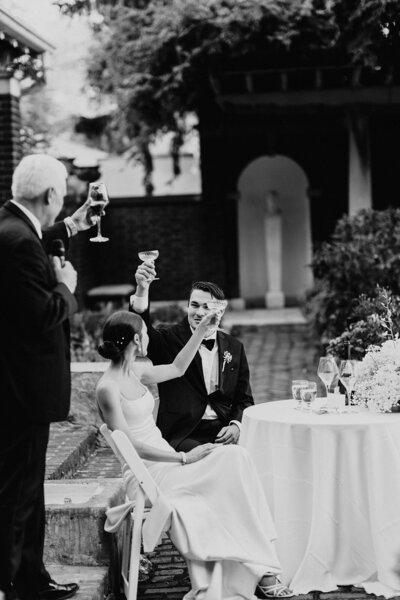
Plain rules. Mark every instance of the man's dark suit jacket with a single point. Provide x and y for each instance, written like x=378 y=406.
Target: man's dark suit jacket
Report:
x=184 y=400
x=34 y=327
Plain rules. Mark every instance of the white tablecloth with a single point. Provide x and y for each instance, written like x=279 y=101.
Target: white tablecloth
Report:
x=333 y=485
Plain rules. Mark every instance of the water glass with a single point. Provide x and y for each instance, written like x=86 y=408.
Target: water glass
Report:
x=297 y=384
x=308 y=395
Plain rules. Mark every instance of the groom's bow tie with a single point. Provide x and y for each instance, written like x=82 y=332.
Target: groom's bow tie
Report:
x=209 y=344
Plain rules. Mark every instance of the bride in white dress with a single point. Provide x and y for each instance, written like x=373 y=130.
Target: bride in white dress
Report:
x=222 y=525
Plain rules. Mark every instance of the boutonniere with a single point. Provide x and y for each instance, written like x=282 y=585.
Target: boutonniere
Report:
x=227 y=356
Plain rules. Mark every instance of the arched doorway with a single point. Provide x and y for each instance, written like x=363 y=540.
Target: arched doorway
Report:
x=281 y=183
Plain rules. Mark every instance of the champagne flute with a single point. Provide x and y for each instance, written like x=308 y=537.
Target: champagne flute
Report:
x=98 y=201
x=348 y=376
x=308 y=394
x=149 y=256
x=327 y=371
x=297 y=385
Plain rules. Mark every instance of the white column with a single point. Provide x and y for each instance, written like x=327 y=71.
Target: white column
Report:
x=360 y=191
x=274 y=297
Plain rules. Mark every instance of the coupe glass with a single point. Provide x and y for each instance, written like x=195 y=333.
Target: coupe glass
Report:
x=219 y=306
x=98 y=201
x=297 y=384
x=327 y=371
x=348 y=376
x=149 y=256
x=308 y=394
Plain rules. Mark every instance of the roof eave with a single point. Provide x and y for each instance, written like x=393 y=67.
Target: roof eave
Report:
x=24 y=34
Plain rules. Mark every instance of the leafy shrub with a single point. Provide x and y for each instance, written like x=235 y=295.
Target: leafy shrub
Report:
x=86 y=329
x=364 y=252
x=373 y=321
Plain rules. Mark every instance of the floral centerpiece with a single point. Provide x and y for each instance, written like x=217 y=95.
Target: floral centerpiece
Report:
x=378 y=377
x=378 y=374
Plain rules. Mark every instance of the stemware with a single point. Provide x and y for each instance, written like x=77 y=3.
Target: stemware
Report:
x=98 y=201
x=149 y=256
x=218 y=306
x=348 y=377
x=327 y=371
x=297 y=385
x=308 y=394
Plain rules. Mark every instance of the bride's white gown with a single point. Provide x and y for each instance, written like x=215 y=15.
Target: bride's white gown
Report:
x=221 y=521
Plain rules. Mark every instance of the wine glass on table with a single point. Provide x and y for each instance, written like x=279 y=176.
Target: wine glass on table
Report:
x=98 y=201
x=149 y=256
x=297 y=384
x=327 y=371
x=348 y=377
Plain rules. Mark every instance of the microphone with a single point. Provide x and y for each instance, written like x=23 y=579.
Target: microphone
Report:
x=58 y=249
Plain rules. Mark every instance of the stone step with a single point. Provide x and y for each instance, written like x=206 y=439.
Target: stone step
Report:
x=68 y=448
x=75 y=516
x=93 y=581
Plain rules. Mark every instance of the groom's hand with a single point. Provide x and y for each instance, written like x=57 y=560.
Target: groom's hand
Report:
x=228 y=435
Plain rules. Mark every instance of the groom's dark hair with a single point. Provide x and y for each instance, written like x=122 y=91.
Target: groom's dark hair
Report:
x=208 y=286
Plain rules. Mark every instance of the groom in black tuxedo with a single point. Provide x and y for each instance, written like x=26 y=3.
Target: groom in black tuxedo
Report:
x=207 y=403
x=36 y=302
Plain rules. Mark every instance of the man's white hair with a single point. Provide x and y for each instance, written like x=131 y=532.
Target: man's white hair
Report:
x=35 y=174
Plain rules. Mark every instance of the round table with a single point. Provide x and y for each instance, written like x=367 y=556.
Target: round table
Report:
x=333 y=485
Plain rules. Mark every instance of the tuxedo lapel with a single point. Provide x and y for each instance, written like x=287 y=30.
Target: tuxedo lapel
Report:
x=196 y=366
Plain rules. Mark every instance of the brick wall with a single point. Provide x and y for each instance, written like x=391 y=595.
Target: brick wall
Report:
x=191 y=235
x=10 y=146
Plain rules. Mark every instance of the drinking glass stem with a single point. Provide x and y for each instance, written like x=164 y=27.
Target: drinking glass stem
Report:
x=99 y=227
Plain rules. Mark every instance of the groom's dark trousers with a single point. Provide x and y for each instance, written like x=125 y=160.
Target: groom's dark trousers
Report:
x=34 y=391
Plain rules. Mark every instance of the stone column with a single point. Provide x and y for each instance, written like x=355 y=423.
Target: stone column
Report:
x=360 y=190
x=10 y=125
x=274 y=297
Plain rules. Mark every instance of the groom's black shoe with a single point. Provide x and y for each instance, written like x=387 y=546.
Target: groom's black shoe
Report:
x=58 y=591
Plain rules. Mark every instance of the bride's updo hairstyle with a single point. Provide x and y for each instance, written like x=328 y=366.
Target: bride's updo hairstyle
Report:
x=118 y=331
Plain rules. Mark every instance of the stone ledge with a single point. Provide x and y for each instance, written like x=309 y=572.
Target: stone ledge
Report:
x=75 y=516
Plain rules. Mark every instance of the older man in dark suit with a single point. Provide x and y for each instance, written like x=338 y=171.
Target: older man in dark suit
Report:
x=36 y=302
x=207 y=403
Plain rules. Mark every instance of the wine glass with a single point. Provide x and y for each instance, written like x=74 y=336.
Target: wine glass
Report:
x=149 y=256
x=348 y=376
x=297 y=384
x=98 y=201
x=308 y=394
x=327 y=371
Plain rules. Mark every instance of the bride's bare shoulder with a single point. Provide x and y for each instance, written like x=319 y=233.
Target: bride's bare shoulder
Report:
x=107 y=384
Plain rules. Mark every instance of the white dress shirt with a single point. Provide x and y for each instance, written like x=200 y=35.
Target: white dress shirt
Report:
x=209 y=361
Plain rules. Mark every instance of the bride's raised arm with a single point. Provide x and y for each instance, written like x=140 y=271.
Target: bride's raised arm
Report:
x=159 y=373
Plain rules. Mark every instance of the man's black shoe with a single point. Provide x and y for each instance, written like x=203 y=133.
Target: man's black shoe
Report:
x=58 y=591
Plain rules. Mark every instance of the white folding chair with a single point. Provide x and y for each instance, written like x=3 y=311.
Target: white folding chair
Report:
x=147 y=493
